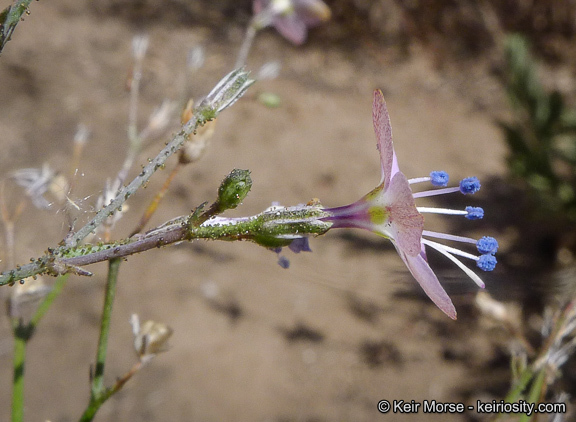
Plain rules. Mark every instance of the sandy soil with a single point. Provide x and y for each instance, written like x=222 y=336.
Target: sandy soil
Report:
x=345 y=326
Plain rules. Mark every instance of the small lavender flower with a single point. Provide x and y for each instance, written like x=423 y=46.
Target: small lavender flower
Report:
x=291 y=18
x=390 y=211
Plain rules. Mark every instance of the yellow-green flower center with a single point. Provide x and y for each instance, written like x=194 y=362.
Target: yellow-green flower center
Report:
x=378 y=215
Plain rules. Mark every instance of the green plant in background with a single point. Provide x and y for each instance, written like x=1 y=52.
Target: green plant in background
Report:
x=542 y=136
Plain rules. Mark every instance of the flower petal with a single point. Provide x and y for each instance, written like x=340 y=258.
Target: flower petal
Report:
x=312 y=12
x=407 y=224
x=258 y=5
x=292 y=28
x=383 y=130
x=429 y=283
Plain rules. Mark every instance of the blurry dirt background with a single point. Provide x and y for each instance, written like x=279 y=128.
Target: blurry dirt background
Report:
x=345 y=326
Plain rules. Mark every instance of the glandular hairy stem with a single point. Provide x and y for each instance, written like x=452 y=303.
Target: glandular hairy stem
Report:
x=276 y=226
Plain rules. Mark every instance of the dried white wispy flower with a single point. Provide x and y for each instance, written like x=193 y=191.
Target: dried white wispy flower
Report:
x=269 y=70
x=563 y=344
x=38 y=181
x=492 y=308
x=140 y=46
x=159 y=119
x=150 y=338
x=107 y=196
x=195 y=59
x=25 y=296
x=82 y=134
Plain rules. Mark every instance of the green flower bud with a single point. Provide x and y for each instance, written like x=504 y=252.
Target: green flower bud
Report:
x=234 y=189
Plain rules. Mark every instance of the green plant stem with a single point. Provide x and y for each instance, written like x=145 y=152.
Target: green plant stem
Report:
x=226 y=92
x=520 y=385
x=135 y=141
x=22 y=334
x=246 y=45
x=537 y=391
x=19 y=362
x=47 y=302
x=99 y=394
x=271 y=228
x=9 y=18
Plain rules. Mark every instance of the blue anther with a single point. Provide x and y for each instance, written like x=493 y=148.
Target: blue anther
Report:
x=486 y=262
x=283 y=262
x=474 y=213
x=439 y=178
x=487 y=245
x=469 y=185
x=300 y=245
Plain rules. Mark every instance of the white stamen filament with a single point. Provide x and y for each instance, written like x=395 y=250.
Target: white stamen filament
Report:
x=452 y=250
x=444 y=250
x=441 y=211
x=419 y=180
x=449 y=237
x=435 y=192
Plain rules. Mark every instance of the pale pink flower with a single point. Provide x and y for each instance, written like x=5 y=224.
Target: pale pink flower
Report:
x=291 y=18
x=390 y=211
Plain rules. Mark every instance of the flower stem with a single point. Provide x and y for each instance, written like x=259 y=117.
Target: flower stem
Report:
x=520 y=386
x=99 y=394
x=537 y=392
x=271 y=228
x=134 y=139
x=226 y=92
x=22 y=334
x=246 y=45
x=156 y=201
x=19 y=362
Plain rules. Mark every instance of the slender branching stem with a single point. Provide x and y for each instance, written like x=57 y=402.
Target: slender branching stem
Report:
x=99 y=393
x=153 y=206
x=19 y=361
x=134 y=139
x=246 y=45
x=260 y=21
x=109 y=392
x=120 y=382
x=48 y=300
x=22 y=334
x=141 y=179
x=9 y=220
x=271 y=228
x=226 y=92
